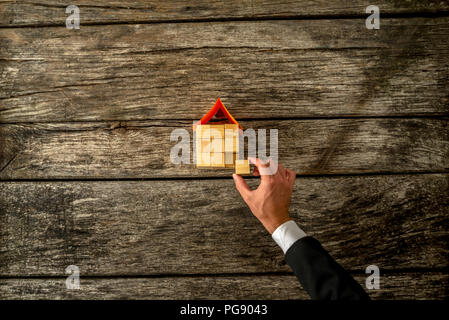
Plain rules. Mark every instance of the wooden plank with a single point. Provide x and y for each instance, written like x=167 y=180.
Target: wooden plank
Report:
x=397 y=286
x=142 y=149
x=203 y=227
x=53 y=11
x=263 y=69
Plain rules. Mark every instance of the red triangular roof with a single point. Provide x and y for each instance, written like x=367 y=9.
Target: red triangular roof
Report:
x=219 y=109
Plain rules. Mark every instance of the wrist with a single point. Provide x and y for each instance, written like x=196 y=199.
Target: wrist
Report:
x=287 y=234
x=272 y=225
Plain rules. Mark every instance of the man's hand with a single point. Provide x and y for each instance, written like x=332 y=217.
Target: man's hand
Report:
x=271 y=200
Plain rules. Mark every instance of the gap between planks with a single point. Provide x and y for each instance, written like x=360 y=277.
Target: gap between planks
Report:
x=404 y=15
x=298 y=176
x=314 y=118
x=222 y=275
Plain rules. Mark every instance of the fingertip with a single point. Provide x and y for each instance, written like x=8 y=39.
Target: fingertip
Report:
x=241 y=185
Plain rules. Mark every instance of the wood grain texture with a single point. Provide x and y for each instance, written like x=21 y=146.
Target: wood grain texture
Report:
x=263 y=69
x=204 y=227
x=46 y=12
x=396 y=286
x=142 y=149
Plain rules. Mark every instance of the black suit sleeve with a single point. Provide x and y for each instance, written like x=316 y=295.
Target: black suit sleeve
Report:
x=319 y=274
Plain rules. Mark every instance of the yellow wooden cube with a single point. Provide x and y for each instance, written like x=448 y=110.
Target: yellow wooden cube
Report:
x=217 y=131
x=197 y=129
x=234 y=127
x=231 y=138
x=198 y=143
x=203 y=131
x=198 y=156
x=231 y=131
x=217 y=145
x=203 y=160
x=229 y=159
x=242 y=167
x=231 y=143
x=239 y=162
x=205 y=146
x=217 y=159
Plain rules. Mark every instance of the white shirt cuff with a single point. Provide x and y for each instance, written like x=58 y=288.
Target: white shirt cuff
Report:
x=287 y=234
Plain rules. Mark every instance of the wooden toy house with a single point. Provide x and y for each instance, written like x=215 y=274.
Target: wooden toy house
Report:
x=217 y=140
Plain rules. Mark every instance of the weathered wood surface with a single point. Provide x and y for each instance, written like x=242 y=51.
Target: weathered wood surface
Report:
x=16 y=13
x=263 y=69
x=142 y=149
x=393 y=286
x=203 y=227
x=197 y=228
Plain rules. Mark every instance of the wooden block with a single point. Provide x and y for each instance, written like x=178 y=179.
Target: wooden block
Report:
x=204 y=146
x=198 y=160
x=229 y=159
x=241 y=162
x=203 y=131
x=231 y=143
x=217 y=145
x=242 y=170
x=217 y=159
x=204 y=160
x=197 y=129
x=197 y=142
x=198 y=156
x=233 y=127
x=242 y=167
x=217 y=131
x=231 y=131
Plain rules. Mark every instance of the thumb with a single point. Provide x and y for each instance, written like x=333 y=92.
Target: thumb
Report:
x=241 y=186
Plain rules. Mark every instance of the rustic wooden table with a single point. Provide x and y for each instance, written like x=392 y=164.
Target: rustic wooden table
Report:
x=86 y=117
